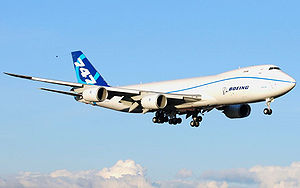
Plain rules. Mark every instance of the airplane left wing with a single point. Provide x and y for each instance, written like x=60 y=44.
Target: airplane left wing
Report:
x=129 y=97
x=71 y=84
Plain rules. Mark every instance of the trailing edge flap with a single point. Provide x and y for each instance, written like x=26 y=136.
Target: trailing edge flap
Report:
x=62 y=92
x=186 y=98
x=123 y=90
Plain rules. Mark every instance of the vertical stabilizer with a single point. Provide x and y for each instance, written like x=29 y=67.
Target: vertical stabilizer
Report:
x=85 y=72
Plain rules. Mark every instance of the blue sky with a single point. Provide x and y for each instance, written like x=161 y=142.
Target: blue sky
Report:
x=143 y=41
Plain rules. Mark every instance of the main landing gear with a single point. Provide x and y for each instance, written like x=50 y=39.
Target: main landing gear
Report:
x=268 y=111
x=170 y=117
x=196 y=121
x=161 y=117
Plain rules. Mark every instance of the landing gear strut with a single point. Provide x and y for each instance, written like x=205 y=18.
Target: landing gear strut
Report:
x=268 y=111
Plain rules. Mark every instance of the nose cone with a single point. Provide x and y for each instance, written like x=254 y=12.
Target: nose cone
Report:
x=292 y=82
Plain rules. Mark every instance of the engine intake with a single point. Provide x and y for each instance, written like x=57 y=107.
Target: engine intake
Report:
x=154 y=101
x=237 y=111
x=95 y=94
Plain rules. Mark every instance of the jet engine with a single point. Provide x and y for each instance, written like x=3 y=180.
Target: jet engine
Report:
x=237 y=111
x=154 y=101
x=95 y=94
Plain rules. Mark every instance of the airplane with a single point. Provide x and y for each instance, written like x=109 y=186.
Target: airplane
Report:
x=230 y=92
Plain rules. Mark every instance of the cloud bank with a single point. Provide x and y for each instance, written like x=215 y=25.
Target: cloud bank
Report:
x=129 y=174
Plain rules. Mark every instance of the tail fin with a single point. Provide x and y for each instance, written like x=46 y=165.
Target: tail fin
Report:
x=85 y=72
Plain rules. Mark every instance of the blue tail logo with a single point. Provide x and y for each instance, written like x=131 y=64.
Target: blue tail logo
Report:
x=85 y=72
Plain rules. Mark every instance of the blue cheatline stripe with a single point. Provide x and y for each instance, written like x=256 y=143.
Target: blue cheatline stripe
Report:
x=229 y=79
x=82 y=56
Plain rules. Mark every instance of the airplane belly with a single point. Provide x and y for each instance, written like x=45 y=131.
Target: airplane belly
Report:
x=114 y=105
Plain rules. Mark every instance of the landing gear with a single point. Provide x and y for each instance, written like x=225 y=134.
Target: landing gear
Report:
x=162 y=117
x=196 y=121
x=170 y=117
x=268 y=111
x=155 y=119
x=194 y=124
x=175 y=121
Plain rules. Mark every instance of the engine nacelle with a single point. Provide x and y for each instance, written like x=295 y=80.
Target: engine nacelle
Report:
x=154 y=101
x=95 y=94
x=237 y=111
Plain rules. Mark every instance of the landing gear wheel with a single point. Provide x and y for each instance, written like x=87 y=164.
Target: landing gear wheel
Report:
x=154 y=119
x=199 y=119
x=267 y=111
x=270 y=111
x=195 y=118
x=179 y=120
x=173 y=121
x=192 y=123
x=159 y=120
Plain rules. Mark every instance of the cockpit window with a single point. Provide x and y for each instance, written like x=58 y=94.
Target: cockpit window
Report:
x=272 y=68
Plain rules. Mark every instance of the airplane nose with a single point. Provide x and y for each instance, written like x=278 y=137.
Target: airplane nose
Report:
x=292 y=82
x=288 y=78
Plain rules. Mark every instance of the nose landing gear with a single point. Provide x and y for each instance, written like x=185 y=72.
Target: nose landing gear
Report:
x=268 y=111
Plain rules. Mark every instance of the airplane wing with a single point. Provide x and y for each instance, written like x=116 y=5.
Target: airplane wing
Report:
x=62 y=92
x=71 y=84
x=130 y=97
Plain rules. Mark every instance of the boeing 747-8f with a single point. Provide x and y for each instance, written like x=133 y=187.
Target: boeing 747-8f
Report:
x=229 y=92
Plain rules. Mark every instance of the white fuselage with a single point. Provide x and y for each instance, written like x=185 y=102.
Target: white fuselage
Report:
x=244 y=85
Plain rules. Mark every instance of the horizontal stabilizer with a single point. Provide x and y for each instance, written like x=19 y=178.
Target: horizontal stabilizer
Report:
x=62 y=92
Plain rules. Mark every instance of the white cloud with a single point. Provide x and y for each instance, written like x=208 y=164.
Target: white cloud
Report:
x=125 y=174
x=239 y=175
x=121 y=168
x=184 y=173
x=191 y=184
x=128 y=174
x=262 y=176
x=212 y=184
x=277 y=176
